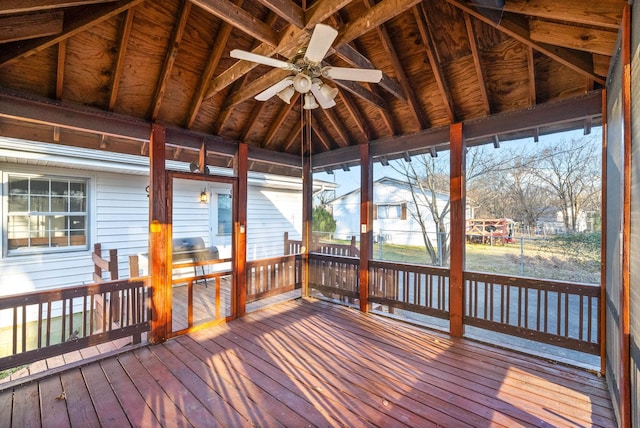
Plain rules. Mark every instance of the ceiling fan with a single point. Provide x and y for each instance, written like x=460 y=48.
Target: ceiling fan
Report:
x=308 y=70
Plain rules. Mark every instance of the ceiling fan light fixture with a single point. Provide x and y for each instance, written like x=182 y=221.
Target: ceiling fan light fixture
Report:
x=309 y=102
x=328 y=91
x=302 y=83
x=286 y=94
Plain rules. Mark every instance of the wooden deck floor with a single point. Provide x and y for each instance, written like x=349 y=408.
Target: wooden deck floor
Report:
x=305 y=363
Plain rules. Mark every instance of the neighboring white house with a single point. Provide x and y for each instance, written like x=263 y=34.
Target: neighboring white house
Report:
x=58 y=201
x=394 y=214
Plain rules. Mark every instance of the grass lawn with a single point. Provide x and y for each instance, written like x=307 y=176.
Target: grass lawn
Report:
x=543 y=259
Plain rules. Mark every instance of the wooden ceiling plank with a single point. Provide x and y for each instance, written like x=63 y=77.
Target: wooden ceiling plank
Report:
x=258 y=85
x=591 y=40
x=286 y=9
x=30 y=26
x=62 y=54
x=603 y=13
x=219 y=47
x=349 y=54
x=87 y=19
x=422 y=20
x=318 y=128
x=279 y=120
x=477 y=64
x=122 y=51
x=169 y=61
x=25 y=6
x=239 y=18
x=292 y=137
x=256 y=112
x=582 y=64
x=323 y=10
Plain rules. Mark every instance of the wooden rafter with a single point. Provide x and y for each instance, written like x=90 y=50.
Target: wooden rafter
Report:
x=356 y=115
x=219 y=47
x=599 y=13
x=239 y=18
x=580 y=62
x=319 y=130
x=581 y=38
x=170 y=59
x=257 y=110
x=338 y=126
x=361 y=92
x=409 y=94
x=422 y=20
x=531 y=68
x=477 y=64
x=286 y=9
x=62 y=54
x=22 y=6
x=73 y=24
x=30 y=25
x=292 y=137
x=278 y=121
x=122 y=51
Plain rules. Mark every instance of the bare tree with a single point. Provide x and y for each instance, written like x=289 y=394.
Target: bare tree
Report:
x=572 y=171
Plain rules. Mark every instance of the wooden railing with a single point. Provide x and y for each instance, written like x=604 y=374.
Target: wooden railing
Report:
x=54 y=322
x=420 y=289
x=334 y=275
x=559 y=313
x=553 y=312
x=292 y=246
x=269 y=277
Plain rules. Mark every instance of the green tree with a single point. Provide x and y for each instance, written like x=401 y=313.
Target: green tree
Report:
x=322 y=220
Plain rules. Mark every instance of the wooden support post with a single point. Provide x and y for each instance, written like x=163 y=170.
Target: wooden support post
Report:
x=366 y=216
x=626 y=416
x=603 y=241
x=240 y=229
x=457 y=229
x=307 y=208
x=159 y=233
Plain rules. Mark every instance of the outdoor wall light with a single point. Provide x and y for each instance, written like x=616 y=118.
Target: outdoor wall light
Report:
x=204 y=197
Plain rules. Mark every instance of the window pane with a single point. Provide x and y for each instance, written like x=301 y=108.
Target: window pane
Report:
x=224 y=214
x=39 y=187
x=59 y=204
x=78 y=204
x=59 y=188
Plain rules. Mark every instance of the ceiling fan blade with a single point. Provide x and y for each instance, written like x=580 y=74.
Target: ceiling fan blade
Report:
x=320 y=43
x=274 y=89
x=356 y=74
x=323 y=100
x=261 y=59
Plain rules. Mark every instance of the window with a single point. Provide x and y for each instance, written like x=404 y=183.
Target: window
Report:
x=46 y=212
x=398 y=211
x=224 y=214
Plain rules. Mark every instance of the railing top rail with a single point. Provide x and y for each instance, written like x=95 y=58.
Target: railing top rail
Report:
x=36 y=297
x=436 y=270
x=199 y=263
x=274 y=259
x=540 y=284
x=344 y=259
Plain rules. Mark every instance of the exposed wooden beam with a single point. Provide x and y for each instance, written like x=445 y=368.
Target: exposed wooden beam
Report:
x=75 y=22
x=25 y=6
x=422 y=20
x=170 y=59
x=258 y=85
x=323 y=136
x=256 y=112
x=292 y=137
x=286 y=9
x=601 y=64
x=601 y=13
x=473 y=44
x=125 y=33
x=30 y=26
x=577 y=61
x=62 y=54
x=581 y=38
x=240 y=19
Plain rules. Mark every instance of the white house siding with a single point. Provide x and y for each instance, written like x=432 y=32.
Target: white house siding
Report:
x=386 y=191
x=271 y=213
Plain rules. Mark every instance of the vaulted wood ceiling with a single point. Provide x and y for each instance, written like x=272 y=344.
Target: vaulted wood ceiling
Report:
x=168 y=61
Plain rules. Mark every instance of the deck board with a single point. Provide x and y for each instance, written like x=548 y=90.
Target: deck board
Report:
x=310 y=363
